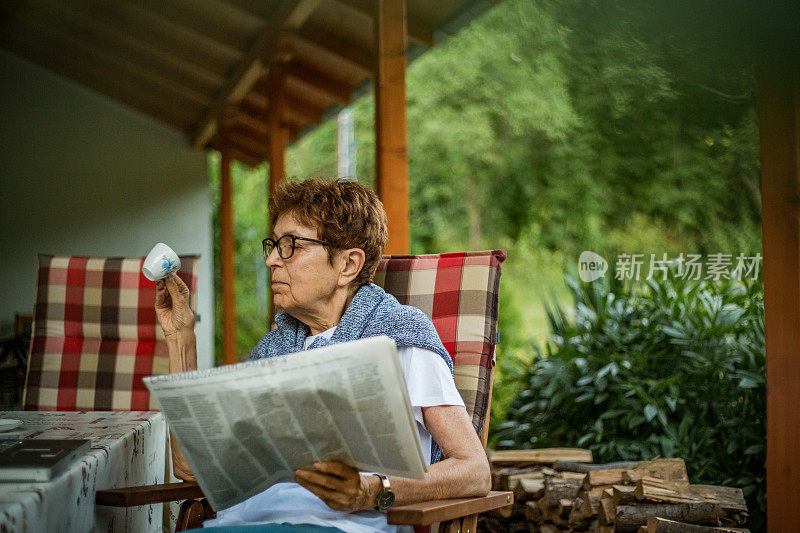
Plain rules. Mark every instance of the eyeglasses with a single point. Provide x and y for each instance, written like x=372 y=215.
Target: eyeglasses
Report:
x=285 y=245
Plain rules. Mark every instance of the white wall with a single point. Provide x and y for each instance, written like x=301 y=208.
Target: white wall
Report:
x=81 y=174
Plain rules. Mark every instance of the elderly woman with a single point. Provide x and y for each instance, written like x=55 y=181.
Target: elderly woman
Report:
x=326 y=244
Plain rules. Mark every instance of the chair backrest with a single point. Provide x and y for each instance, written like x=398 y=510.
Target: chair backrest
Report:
x=95 y=334
x=460 y=292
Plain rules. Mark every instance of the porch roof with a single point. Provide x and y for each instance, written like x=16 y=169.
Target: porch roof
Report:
x=201 y=67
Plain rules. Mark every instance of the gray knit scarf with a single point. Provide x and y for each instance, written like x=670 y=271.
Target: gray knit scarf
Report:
x=372 y=312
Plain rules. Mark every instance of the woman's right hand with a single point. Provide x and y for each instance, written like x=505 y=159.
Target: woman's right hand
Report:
x=172 y=306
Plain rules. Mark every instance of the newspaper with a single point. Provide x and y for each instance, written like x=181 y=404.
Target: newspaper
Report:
x=245 y=427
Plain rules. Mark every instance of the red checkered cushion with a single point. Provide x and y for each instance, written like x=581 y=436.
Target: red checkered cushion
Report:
x=95 y=334
x=459 y=291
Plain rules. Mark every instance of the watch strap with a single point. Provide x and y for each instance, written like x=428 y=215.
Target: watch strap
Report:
x=386 y=497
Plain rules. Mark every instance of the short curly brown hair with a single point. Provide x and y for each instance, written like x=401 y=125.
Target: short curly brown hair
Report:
x=345 y=213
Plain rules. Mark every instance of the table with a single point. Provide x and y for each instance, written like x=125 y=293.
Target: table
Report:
x=127 y=449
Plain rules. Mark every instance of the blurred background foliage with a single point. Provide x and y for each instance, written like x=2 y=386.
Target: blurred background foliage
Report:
x=548 y=128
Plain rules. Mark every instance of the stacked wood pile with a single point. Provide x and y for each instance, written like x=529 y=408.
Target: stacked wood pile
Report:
x=558 y=490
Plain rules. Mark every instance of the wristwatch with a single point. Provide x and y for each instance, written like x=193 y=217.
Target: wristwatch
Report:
x=386 y=499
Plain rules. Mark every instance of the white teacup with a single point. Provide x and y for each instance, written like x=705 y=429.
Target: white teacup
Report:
x=160 y=262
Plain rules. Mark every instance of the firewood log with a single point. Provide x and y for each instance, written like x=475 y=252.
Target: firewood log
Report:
x=502 y=513
x=591 y=498
x=564 y=508
x=598 y=478
x=630 y=517
x=623 y=494
x=545 y=508
x=496 y=474
x=661 y=525
x=666 y=469
x=608 y=511
x=649 y=488
x=542 y=456
x=730 y=499
x=570 y=466
x=556 y=489
x=511 y=481
x=529 y=488
x=533 y=513
x=576 y=519
x=507 y=478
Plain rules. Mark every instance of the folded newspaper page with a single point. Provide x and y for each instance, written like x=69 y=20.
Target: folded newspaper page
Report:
x=245 y=427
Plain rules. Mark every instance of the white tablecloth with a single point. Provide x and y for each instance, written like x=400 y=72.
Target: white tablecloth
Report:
x=128 y=449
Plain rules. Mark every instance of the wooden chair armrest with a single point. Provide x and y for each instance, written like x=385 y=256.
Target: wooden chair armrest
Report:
x=426 y=513
x=145 y=495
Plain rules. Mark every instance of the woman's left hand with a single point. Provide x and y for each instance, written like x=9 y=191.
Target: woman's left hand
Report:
x=341 y=487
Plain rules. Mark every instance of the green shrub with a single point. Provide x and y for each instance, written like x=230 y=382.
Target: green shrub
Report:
x=669 y=368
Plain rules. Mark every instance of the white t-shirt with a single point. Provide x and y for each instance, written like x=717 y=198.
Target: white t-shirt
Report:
x=429 y=383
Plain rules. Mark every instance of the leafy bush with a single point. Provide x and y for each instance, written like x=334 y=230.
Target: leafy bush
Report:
x=670 y=368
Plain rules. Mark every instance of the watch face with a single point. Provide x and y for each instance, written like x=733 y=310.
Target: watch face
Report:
x=386 y=500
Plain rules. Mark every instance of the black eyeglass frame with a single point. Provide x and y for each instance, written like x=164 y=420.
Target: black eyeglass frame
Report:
x=294 y=239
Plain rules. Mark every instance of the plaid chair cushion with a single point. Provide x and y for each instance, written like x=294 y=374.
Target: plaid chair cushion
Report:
x=95 y=334
x=459 y=291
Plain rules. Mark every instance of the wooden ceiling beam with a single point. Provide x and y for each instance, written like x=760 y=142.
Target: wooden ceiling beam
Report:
x=249 y=160
x=255 y=100
x=127 y=44
x=325 y=40
x=418 y=31
x=30 y=20
x=118 y=88
x=170 y=12
x=304 y=109
x=223 y=20
x=255 y=8
x=256 y=116
x=336 y=91
x=288 y=14
x=251 y=144
x=236 y=152
x=259 y=128
x=255 y=103
x=196 y=54
x=297 y=119
x=129 y=16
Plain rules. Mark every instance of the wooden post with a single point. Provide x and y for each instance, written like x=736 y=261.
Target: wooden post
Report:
x=229 y=345
x=779 y=130
x=277 y=140
x=391 y=164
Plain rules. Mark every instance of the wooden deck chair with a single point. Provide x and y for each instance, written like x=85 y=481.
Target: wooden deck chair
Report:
x=459 y=291
x=95 y=334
